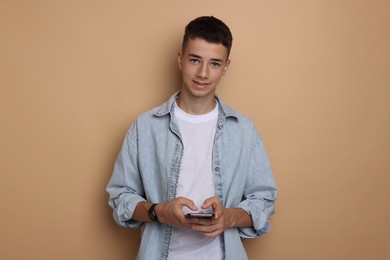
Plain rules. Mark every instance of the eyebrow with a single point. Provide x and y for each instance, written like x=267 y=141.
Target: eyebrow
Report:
x=191 y=55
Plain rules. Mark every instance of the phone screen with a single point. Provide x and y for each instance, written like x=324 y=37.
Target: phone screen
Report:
x=199 y=215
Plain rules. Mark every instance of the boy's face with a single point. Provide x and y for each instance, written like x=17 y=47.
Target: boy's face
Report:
x=202 y=65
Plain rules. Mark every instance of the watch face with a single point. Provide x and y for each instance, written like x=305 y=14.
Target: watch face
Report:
x=152 y=214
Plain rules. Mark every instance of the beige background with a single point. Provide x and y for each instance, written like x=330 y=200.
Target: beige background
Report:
x=313 y=75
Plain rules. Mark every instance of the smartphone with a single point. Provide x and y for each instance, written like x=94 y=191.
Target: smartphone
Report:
x=200 y=215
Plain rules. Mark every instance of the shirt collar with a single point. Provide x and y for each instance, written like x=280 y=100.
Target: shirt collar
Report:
x=167 y=107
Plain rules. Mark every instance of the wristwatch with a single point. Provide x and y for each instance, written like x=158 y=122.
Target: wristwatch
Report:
x=152 y=214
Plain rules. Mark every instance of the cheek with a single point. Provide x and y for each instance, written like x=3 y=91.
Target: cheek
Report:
x=187 y=71
x=218 y=75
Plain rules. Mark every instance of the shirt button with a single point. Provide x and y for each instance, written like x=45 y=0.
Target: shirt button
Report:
x=216 y=169
x=177 y=159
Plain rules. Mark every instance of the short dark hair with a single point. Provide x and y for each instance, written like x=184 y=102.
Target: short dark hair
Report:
x=209 y=29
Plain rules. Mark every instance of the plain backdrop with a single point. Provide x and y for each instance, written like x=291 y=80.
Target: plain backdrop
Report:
x=313 y=75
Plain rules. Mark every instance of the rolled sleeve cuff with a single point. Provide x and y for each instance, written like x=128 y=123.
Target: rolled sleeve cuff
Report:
x=260 y=221
x=124 y=211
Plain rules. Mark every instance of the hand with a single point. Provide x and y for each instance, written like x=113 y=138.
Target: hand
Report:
x=171 y=212
x=224 y=218
x=215 y=226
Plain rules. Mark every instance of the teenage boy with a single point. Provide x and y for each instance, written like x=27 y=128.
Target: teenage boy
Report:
x=194 y=154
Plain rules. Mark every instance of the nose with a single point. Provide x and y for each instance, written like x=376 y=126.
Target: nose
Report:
x=203 y=71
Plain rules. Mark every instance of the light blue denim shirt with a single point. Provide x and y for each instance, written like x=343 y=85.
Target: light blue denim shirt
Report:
x=148 y=166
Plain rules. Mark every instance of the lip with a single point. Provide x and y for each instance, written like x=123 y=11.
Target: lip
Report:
x=201 y=84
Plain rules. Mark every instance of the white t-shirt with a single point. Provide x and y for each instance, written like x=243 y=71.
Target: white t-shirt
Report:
x=196 y=183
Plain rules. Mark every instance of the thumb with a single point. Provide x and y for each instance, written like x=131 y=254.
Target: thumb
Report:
x=211 y=202
x=188 y=203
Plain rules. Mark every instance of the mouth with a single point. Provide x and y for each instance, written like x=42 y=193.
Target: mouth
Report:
x=201 y=84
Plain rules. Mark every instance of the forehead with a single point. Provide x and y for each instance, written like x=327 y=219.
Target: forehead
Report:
x=205 y=50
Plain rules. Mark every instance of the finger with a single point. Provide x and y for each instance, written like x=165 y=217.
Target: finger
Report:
x=216 y=204
x=212 y=234
x=184 y=202
x=208 y=231
x=218 y=212
x=206 y=222
x=211 y=202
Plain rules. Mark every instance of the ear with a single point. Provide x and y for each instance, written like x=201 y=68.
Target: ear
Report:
x=180 y=60
x=225 y=69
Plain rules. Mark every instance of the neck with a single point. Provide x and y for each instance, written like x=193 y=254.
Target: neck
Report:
x=196 y=106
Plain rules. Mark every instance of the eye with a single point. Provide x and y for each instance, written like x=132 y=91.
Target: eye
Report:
x=194 y=61
x=215 y=65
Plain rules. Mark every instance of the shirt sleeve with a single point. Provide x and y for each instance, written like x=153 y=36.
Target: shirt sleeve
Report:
x=125 y=187
x=260 y=192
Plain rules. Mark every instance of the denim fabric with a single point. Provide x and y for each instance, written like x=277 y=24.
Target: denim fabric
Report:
x=148 y=166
